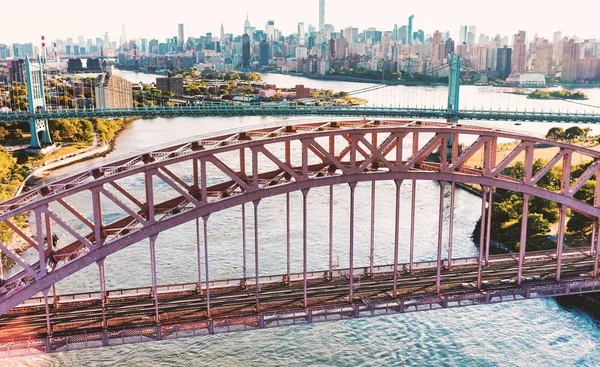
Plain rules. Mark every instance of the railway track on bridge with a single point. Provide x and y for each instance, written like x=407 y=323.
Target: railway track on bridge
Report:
x=239 y=303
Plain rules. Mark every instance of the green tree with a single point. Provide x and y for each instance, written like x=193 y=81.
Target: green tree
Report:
x=3 y=133
x=555 y=133
x=7 y=163
x=574 y=133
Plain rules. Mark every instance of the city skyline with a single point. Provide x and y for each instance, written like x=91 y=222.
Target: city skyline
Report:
x=58 y=23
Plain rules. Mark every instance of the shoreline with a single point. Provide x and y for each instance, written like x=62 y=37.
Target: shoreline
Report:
x=17 y=243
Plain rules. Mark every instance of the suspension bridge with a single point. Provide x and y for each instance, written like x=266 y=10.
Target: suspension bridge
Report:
x=99 y=215
x=38 y=114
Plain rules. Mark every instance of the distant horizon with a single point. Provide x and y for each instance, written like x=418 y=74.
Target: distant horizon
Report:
x=144 y=22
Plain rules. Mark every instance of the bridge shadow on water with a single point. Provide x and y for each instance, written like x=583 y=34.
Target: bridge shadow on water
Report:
x=588 y=304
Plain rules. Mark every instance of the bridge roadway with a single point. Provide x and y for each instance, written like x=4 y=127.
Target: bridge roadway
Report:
x=265 y=109
x=236 y=305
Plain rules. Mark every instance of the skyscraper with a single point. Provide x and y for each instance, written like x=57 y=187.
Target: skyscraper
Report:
x=245 y=51
x=180 y=40
x=503 y=62
x=321 y=21
x=462 y=35
x=518 y=58
x=571 y=53
x=301 y=33
x=410 y=32
x=123 y=36
x=543 y=58
x=270 y=30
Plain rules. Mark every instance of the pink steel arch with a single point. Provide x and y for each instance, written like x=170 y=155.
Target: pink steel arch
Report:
x=260 y=163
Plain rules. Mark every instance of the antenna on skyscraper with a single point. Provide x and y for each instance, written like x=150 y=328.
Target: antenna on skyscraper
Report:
x=56 y=55
x=43 y=52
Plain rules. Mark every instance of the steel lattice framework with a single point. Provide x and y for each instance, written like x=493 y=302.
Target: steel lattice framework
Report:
x=233 y=169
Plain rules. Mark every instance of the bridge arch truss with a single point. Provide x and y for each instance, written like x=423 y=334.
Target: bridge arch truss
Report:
x=205 y=175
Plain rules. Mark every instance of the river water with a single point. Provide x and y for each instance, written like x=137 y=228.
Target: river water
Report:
x=526 y=333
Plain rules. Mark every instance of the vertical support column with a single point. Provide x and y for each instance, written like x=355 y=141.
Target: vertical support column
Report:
x=243 y=162
x=396 y=238
x=102 y=276
x=523 y=240
x=440 y=233
x=593 y=240
x=484 y=190
x=288 y=237
x=203 y=182
x=256 y=269
x=596 y=254
x=97 y=210
x=150 y=196
x=451 y=224
x=304 y=245
x=47 y=310
x=413 y=206
x=560 y=240
x=244 y=259
x=206 y=275
x=196 y=174
x=330 y=232
x=372 y=245
x=49 y=239
x=351 y=265
x=40 y=240
x=154 y=282
x=1 y=268
x=375 y=144
x=488 y=225
x=199 y=255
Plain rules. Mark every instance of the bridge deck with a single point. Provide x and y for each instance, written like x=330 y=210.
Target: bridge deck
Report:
x=261 y=109
x=77 y=322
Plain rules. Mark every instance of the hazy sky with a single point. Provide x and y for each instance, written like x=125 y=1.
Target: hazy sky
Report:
x=158 y=19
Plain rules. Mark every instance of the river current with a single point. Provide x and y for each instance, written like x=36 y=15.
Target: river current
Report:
x=526 y=333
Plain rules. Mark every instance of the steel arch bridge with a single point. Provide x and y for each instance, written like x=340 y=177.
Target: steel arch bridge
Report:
x=234 y=169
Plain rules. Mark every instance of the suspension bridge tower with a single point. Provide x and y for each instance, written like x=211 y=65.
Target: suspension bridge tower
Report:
x=453 y=88
x=37 y=103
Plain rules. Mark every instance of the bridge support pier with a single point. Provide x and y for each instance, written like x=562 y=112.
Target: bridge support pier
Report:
x=37 y=103
x=104 y=338
x=523 y=239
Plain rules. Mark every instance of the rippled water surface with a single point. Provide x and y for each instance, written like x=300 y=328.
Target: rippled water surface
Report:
x=526 y=333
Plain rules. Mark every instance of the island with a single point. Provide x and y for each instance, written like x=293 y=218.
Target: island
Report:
x=557 y=94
